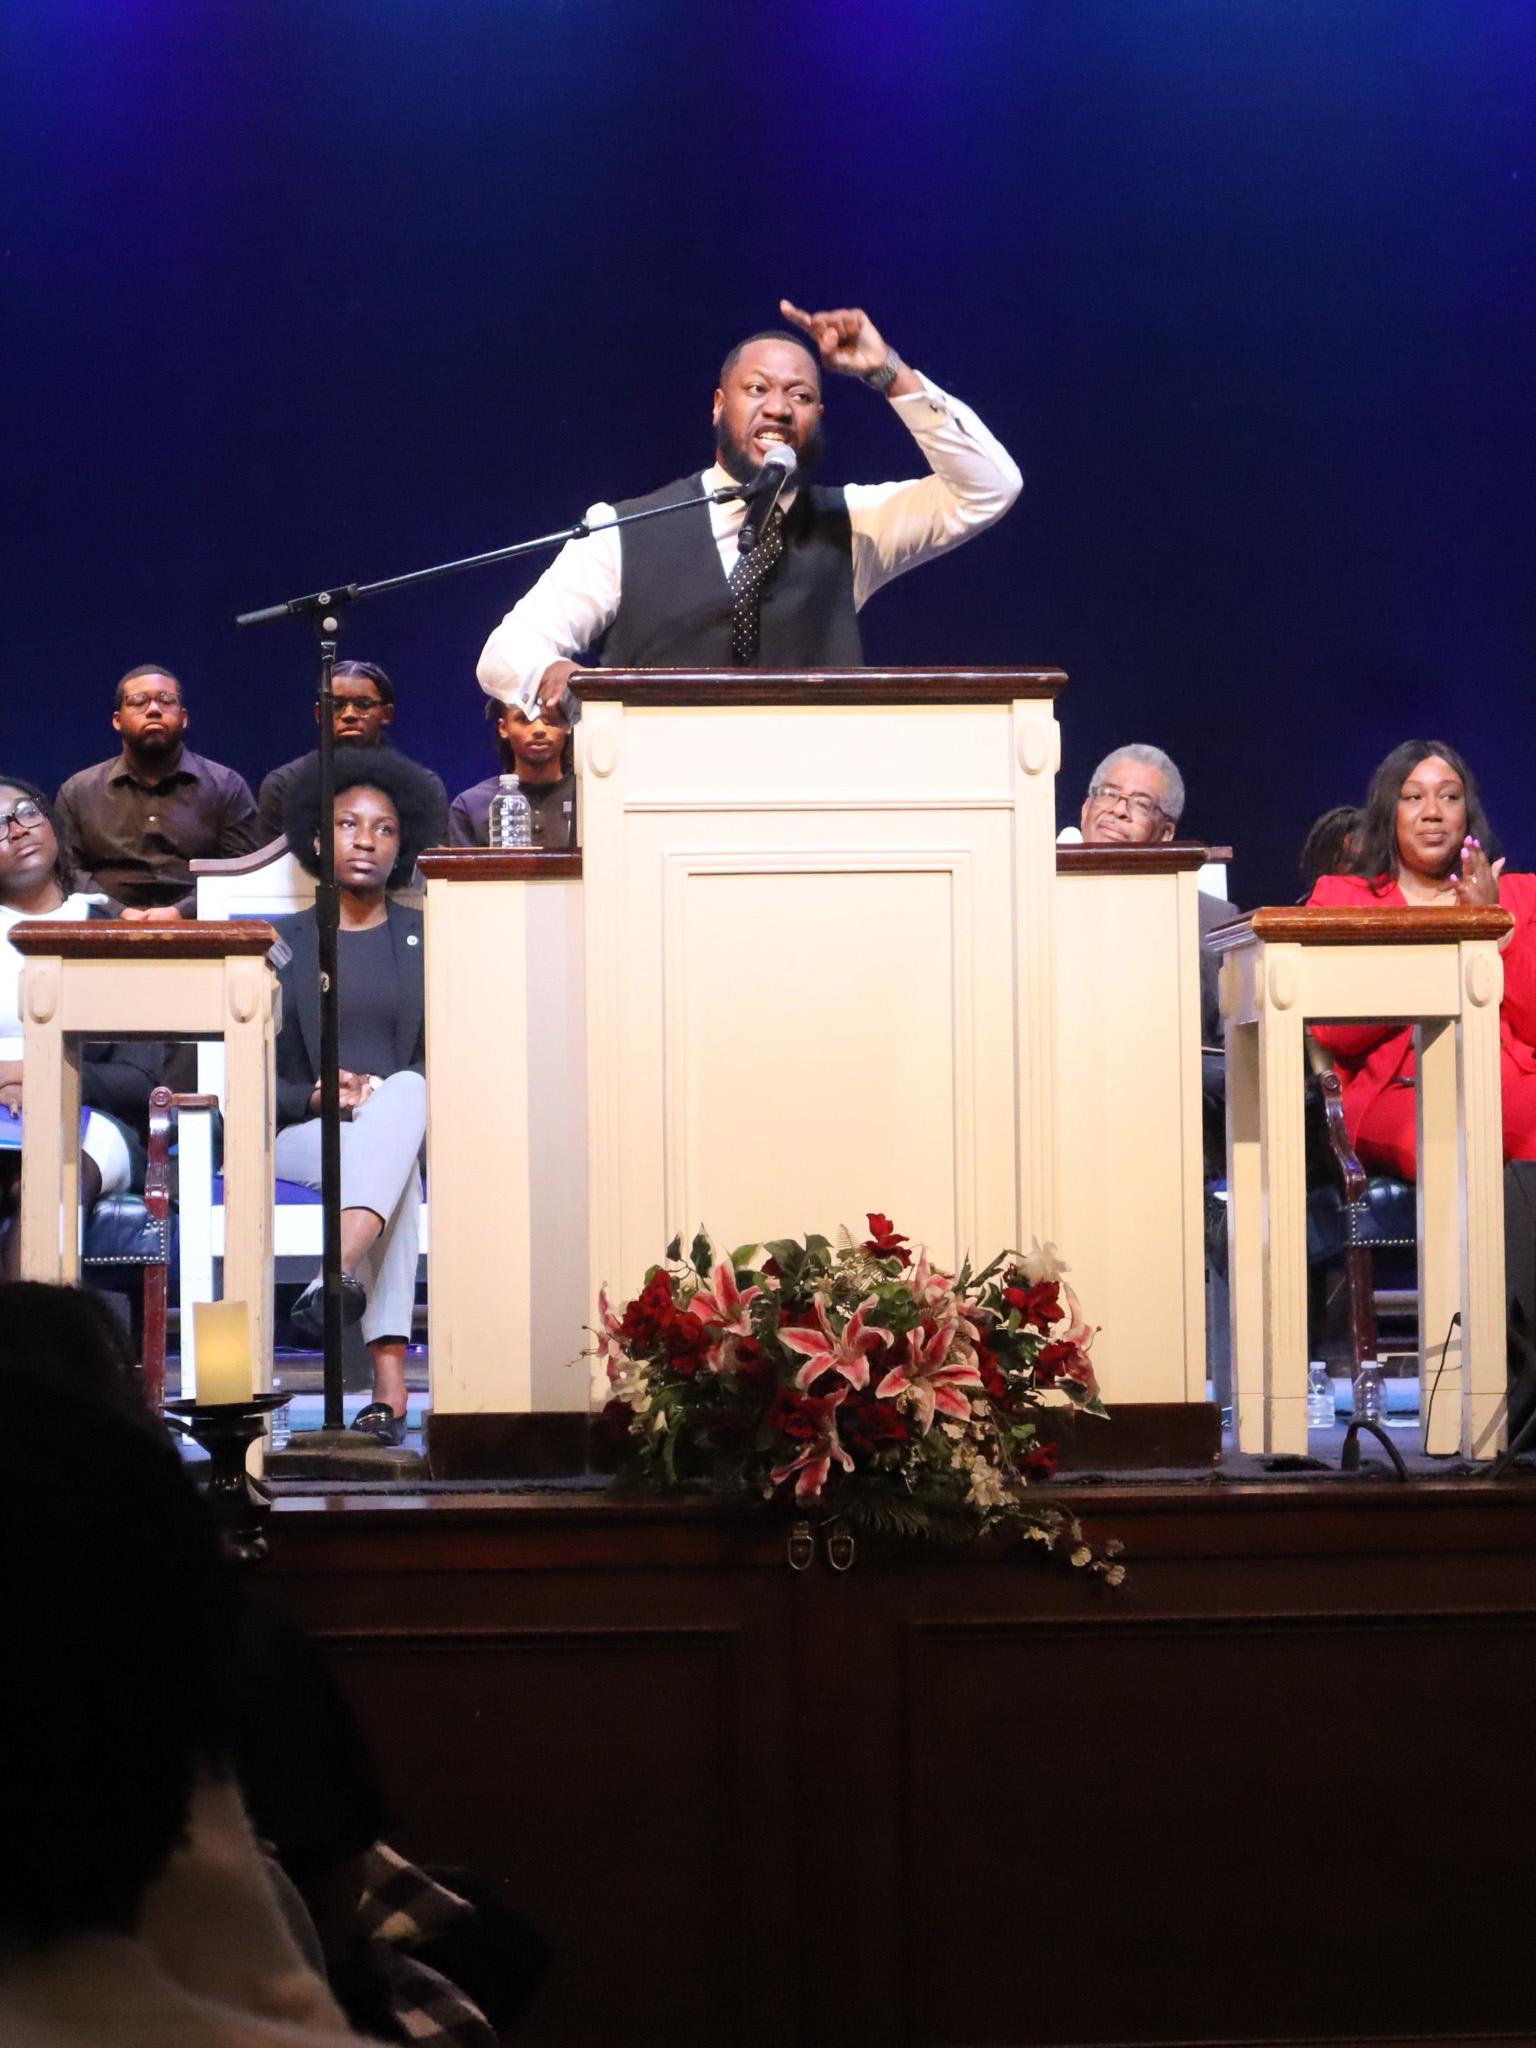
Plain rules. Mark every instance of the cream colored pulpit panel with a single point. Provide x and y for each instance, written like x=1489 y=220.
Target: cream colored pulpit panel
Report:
x=506 y=1131
x=819 y=964
x=1132 y=1205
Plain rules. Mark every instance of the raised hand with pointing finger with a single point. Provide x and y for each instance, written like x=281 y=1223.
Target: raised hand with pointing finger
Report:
x=848 y=341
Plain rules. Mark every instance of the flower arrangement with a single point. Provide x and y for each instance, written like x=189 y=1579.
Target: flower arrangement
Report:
x=857 y=1378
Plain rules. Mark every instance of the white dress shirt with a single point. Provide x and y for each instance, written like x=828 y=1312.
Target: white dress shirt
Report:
x=973 y=482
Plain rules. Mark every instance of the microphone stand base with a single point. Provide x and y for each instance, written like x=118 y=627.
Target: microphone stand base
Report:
x=345 y=1454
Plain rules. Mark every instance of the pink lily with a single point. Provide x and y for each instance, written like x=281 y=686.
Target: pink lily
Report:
x=814 y=1463
x=610 y=1341
x=1080 y=1334
x=825 y=1350
x=934 y=1293
x=933 y=1384
x=727 y=1305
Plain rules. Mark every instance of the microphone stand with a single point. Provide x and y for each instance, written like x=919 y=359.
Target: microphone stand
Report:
x=325 y=609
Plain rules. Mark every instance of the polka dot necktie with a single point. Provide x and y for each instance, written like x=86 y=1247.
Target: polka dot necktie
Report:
x=747 y=578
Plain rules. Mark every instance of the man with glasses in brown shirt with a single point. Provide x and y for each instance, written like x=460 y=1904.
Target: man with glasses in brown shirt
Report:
x=136 y=823
x=364 y=707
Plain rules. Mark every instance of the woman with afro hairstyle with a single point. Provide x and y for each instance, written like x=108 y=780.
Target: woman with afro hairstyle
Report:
x=382 y=818
x=1425 y=840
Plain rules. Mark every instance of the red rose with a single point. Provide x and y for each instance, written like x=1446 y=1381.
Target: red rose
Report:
x=868 y=1426
x=794 y=1416
x=884 y=1240
x=615 y=1420
x=686 y=1342
x=1039 y=1461
x=746 y=1358
x=991 y=1375
x=1038 y=1306
x=1052 y=1359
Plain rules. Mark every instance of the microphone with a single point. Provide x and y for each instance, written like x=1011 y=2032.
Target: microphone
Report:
x=762 y=494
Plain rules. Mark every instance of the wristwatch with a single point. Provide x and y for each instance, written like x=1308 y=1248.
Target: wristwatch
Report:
x=883 y=378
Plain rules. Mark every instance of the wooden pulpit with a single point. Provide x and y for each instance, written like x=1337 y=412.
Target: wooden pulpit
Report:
x=820 y=957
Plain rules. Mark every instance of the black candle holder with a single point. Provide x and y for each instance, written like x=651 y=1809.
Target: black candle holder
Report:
x=226 y=1430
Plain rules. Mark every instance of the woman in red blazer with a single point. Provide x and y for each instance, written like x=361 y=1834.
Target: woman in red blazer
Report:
x=1424 y=841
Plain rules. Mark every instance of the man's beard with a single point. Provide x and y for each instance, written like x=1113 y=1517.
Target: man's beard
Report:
x=155 y=741
x=736 y=460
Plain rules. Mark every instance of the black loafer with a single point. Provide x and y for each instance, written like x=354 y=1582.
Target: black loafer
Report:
x=380 y=1421
x=308 y=1313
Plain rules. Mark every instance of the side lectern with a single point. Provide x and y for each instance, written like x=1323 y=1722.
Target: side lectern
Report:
x=820 y=956
x=104 y=980
x=1132 y=1196
x=1440 y=972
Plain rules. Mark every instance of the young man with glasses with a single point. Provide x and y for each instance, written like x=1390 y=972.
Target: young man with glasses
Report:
x=364 y=708
x=136 y=823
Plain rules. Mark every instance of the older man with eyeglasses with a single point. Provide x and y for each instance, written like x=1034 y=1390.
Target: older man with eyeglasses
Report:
x=136 y=823
x=1136 y=798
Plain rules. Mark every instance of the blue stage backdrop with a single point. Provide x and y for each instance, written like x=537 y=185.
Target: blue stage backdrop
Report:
x=325 y=289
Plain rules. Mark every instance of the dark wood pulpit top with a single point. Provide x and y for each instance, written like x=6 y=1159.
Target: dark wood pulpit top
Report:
x=1394 y=924
x=1173 y=857
x=486 y=864
x=103 y=939
x=708 y=687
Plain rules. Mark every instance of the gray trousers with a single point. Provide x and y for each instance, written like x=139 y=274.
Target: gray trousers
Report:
x=379 y=1149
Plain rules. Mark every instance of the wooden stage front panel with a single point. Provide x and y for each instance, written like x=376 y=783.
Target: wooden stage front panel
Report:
x=1275 y=1788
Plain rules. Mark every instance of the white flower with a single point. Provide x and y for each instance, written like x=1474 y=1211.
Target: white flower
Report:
x=629 y=1384
x=1043 y=1262
x=987 y=1488
x=1115 y=1575
x=1081 y=1556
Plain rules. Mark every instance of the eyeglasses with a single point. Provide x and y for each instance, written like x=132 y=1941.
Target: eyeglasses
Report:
x=25 y=813
x=1139 y=805
x=356 y=703
x=142 y=699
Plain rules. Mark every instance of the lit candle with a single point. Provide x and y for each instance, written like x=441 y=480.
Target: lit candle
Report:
x=223 y=1334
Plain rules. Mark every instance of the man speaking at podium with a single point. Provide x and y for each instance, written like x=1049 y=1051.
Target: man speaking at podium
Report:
x=696 y=590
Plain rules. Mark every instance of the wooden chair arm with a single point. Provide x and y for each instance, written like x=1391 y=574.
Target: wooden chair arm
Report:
x=157 y=1172
x=1351 y=1172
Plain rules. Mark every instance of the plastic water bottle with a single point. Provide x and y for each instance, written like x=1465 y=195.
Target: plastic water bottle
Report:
x=1319 y=1396
x=511 y=816
x=279 y=1422
x=1370 y=1394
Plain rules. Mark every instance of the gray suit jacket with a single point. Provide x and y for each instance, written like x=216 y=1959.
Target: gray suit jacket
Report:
x=1214 y=911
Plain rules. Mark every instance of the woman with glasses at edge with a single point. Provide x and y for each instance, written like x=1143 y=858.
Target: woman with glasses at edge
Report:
x=1425 y=841
x=115 y=1080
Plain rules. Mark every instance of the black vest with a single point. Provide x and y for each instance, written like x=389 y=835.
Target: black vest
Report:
x=675 y=603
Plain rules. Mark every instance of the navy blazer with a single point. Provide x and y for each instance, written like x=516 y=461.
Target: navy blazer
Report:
x=298 y=1042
